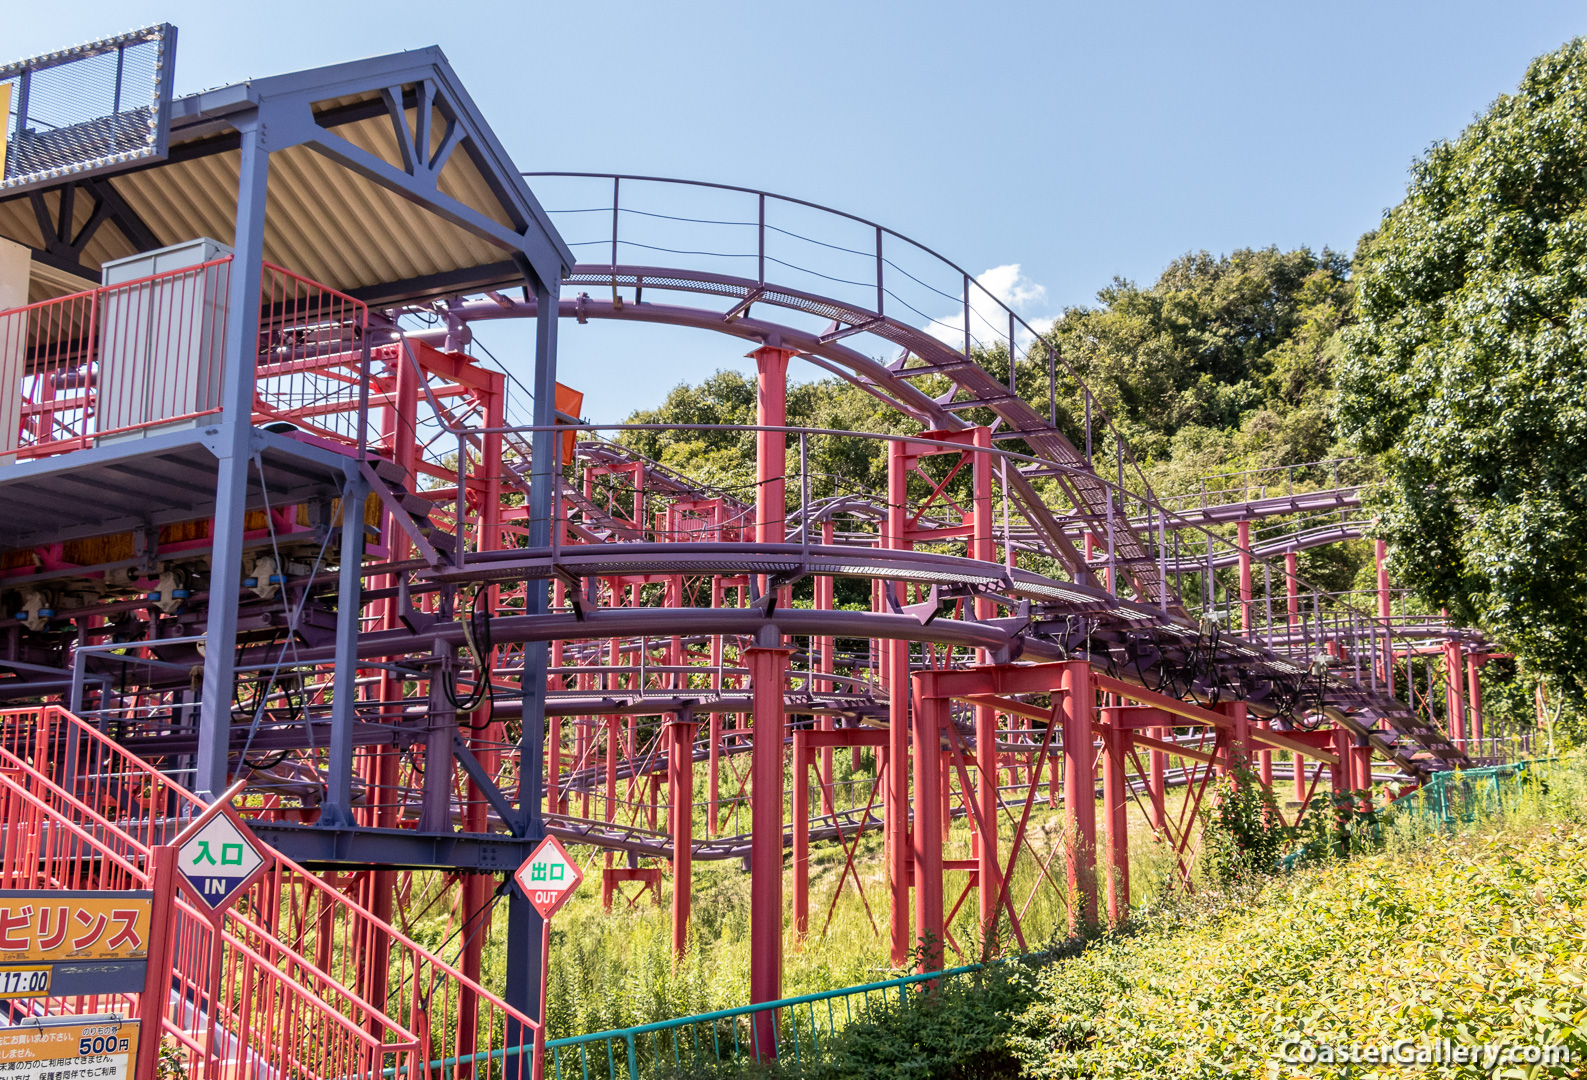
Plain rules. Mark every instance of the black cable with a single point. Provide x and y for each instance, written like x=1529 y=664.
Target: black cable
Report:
x=477 y=635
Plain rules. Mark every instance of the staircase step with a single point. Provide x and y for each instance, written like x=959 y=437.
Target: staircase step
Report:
x=393 y=474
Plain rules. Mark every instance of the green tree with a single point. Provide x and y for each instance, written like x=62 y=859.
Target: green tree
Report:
x=1221 y=361
x=1467 y=370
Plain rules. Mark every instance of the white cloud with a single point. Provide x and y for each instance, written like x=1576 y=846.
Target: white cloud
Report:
x=1001 y=285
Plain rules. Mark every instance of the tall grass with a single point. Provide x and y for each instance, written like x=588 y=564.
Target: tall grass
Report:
x=617 y=969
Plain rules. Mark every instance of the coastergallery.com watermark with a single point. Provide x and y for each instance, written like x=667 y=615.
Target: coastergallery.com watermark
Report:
x=1493 y=1055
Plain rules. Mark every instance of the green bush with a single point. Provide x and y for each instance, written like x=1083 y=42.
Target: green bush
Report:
x=1244 y=833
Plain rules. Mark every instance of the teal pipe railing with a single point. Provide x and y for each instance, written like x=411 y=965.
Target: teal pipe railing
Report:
x=1458 y=797
x=670 y=1047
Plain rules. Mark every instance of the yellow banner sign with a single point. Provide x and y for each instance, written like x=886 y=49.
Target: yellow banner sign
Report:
x=39 y=926
x=100 y=1050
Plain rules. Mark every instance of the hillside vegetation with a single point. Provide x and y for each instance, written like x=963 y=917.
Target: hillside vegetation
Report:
x=1475 y=937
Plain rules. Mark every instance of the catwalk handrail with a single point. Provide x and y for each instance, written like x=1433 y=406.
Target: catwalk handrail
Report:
x=1054 y=353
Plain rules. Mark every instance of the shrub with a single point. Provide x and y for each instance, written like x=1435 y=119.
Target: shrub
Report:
x=1244 y=832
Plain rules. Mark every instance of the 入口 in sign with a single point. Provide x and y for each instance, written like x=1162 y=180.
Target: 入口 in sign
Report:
x=219 y=860
x=548 y=877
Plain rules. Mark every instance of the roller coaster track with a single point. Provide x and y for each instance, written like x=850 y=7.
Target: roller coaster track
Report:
x=921 y=354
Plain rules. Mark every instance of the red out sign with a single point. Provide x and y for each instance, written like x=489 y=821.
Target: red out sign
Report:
x=548 y=877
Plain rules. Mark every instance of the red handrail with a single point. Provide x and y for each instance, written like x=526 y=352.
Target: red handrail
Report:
x=289 y=911
x=150 y=352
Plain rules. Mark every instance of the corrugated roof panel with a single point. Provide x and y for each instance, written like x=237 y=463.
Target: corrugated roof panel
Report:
x=187 y=199
x=355 y=228
x=323 y=221
x=383 y=236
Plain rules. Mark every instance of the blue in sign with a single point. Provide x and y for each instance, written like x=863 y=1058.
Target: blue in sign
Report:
x=218 y=860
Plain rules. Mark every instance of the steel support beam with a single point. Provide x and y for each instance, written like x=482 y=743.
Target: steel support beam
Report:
x=232 y=465
x=766 y=666
x=895 y=678
x=926 y=848
x=1115 y=812
x=680 y=793
x=1080 y=794
x=337 y=811
x=524 y=930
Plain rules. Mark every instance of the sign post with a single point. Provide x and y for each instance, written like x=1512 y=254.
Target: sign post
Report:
x=156 y=996
x=548 y=879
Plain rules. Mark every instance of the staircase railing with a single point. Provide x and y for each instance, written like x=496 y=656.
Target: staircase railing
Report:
x=314 y=940
x=240 y=1003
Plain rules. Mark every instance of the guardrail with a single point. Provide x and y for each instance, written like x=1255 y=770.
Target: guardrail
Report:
x=117 y=361
x=1459 y=796
x=794 y=1027
x=423 y=1005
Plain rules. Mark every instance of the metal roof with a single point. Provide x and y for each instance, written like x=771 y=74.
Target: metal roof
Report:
x=339 y=222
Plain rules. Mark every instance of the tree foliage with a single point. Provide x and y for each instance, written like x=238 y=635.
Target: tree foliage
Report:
x=1221 y=360
x=727 y=458
x=1467 y=372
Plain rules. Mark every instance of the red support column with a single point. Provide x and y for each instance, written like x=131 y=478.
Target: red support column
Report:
x=554 y=795
x=1244 y=540
x=1239 y=745
x=766 y=666
x=714 y=754
x=1157 y=769
x=1454 y=703
x=1291 y=588
x=1361 y=762
x=680 y=791
x=1080 y=799
x=927 y=848
x=800 y=813
x=1474 y=695
x=1339 y=775
x=987 y=759
x=896 y=676
x=824 y=648
x=612 y=740
x=474 y=899
x=155 y=998
x=1115 y=817
x=1264 y=757
x=486 y=477
x=1380 y=555
x=771 y=410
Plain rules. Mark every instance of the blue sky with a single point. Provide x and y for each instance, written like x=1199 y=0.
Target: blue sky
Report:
x=1078 y=141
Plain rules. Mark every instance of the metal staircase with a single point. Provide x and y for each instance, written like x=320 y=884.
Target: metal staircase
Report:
x=265 y=988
